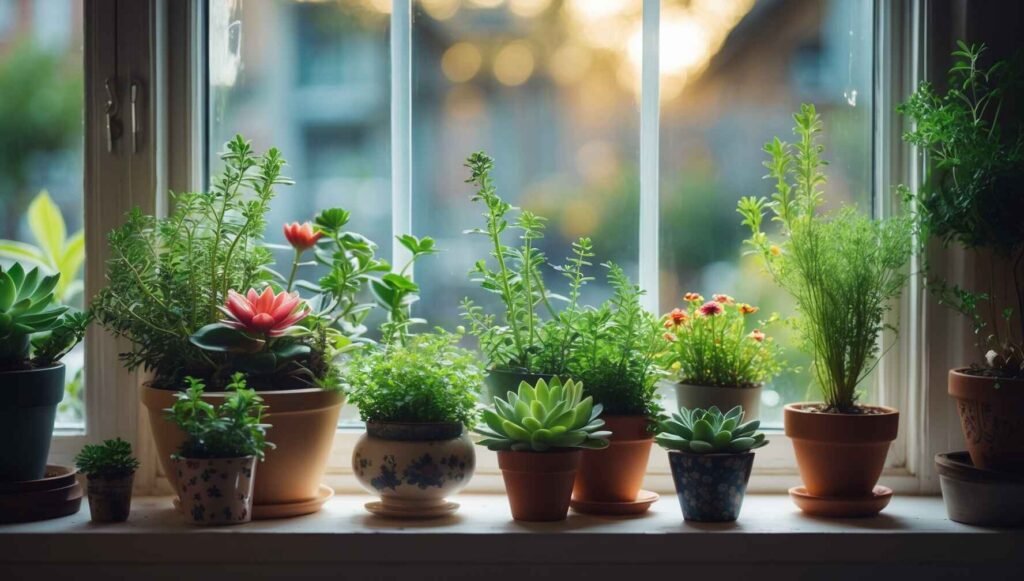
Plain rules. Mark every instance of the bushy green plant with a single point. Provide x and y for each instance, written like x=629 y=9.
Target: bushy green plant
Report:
x=972 y=192
x=524 y=340
x=843 y=269
x=34 y=330
x=709 y=343
x=231 y=430
x=710 y=431
x=617 y=350
x=111 y=459
x=542 y=418
x=428 y=378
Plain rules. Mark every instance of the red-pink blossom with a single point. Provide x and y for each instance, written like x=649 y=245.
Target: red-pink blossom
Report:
x=264 y=314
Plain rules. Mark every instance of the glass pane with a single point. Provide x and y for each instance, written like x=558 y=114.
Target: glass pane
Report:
x=549 y=89
x=311 y=79
x=733 y=72
x=41 y=154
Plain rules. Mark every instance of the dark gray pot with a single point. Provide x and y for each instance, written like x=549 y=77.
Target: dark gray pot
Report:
x=28 y=407
x=499 y=382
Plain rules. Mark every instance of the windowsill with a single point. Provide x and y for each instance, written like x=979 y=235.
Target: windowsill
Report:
x=911 y=532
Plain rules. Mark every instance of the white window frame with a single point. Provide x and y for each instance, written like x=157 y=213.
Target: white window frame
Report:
x=164 y=46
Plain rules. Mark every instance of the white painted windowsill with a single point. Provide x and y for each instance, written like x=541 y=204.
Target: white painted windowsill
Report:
x=772 y=536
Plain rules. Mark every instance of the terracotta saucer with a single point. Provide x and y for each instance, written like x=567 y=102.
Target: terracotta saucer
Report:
x=54 y=477
x=377 y=507
x=841 y=507
x=286 y=509
x=41 y=505
x=644 y=500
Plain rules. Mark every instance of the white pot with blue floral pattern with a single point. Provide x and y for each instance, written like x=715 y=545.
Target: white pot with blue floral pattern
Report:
x=413 y=467
x=216 y=491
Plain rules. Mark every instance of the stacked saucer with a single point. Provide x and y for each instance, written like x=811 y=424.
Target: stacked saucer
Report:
x=54 y=495
x=977 y=496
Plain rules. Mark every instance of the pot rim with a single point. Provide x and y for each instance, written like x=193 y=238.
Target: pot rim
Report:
x=681 y=383
x=798 y=407
x=956 y=469
x=714 y=455
x=415 y=431
x=185 y=459
x=31 y=370
x=279 y=402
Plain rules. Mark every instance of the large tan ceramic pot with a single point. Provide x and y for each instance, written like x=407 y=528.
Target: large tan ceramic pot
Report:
x=615 y=473
x=303 y=425
x=840 y=455
x=413 y=467
x=992 y=419
x=725 y=398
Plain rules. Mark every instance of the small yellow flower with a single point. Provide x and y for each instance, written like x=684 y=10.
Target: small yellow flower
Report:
x=747 y=309
x=775 y=250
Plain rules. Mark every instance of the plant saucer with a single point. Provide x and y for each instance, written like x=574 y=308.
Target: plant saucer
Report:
x=644 y=500
x=841 y=507
x=285 y=509
x=379 y=508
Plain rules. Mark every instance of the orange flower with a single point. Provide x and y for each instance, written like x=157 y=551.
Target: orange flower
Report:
x=711 y=308
x=757 y=335
x=301 y=236
x=678 y=317
x=724 y=299
x=669 y=337
x=774 y=250
x=747 y=309
x=693 y=298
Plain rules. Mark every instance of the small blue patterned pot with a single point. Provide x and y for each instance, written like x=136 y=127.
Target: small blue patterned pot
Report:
x=711 y=487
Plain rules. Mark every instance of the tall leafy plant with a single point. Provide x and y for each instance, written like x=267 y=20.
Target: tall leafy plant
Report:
x=54 y=250
x=843 y=269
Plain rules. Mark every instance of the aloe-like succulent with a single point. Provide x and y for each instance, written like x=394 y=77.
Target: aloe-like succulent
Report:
x=545 y=417
x=710 y=431
x=26 y=308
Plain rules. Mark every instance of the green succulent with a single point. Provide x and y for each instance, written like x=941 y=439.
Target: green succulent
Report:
x=111 y=459
x=26 y=308
x=709 y=431
x=538 y=419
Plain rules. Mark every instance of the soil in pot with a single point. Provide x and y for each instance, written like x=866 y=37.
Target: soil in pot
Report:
x=216 y=491
x=840 y=455
x=725 y=398
x=992 y=419
x=28 y=407
x=110 y=499
x=413 y=467
x=711 y=487
x=539 y=484
x=615 y=473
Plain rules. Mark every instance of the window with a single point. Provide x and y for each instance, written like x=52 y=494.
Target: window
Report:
x=41 y=157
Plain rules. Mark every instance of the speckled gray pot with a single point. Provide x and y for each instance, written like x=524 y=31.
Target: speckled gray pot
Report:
x=711 y=487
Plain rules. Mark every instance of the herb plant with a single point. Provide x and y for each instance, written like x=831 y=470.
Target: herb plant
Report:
x=544 y=418
x=616 y=355
x=843 y=269
x=233 y=429
x=972 y=192
x=709 y=343
x=709 y=431
x=34 y=330
x=111 y=459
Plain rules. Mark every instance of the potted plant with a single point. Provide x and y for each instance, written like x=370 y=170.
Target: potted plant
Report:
x=110 y=471
x=843 y=269
x=716 y=358
x=216 y=462
x=971 y=197
x=417 y=395
x=539 y=434
x=711 y=456
x=35 y=333
x=616 y=359
x=196 y=296
x=531 y=340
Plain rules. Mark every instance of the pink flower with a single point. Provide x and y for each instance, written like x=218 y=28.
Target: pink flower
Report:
x=301 y=236
x=264 y=314
x=711 y=308
x=723 y=299
x=693 y=298
x=757 y=335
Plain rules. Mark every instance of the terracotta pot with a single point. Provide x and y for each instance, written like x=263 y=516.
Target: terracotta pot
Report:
x=413 y=467
x=216 y=491
x=500 y=382
x=110 y=499
x=615 y=473
x=992 y=419
x=840 y=455
x=710 y=487
x=539 y=484
x=303 y=425
x=726 y=398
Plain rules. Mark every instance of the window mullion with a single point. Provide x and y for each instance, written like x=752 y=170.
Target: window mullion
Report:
x=650 y=104
x=401 y=126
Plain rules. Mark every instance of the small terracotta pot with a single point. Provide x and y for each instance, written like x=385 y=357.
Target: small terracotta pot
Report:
x=710 y=487
x=413 y=467
x=303 y=423
x=992 y=419
x=110 y=499
x=840 y=455
x=725 y=398
x=539 y=484
x=616 y=473
x=216 y=491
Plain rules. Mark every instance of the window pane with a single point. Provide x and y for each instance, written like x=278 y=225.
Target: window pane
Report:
x=549 y=89
x=733 y=72
x=41 y=153
x=311 y=79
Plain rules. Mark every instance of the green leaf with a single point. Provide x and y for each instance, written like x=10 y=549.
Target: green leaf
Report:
x=47 y=226
x=14 y=250
x=220 y=338
x=8 y=292
x=702 y=431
